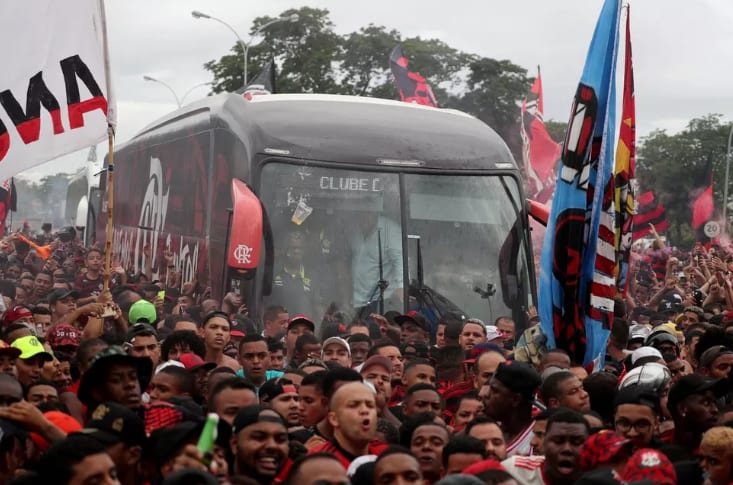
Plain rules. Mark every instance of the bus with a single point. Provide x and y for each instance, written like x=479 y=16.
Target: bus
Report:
x=327 y=203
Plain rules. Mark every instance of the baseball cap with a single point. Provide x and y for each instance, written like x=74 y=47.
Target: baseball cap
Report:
x=692 y=384
x=301 y=319
x=518 y=377
x=482 y=466
x=413 y=317
x=480 y=349
x=138 y=329
x=142 y=311
x=168 y=363
x=639 y=331
x=14 y=314
x=336 y=340
x=249 y=415
x=193 y=362
x=415 y=349
x=492 y=333
x=649 y=464
x=167 y=414
x=652 y=375
x=708 y=357
x=30 y=346
x=60 y=294
x=64 y=335
x=638 y=395
x=665 y=306
x=274 y=387
x=6 y=349
x=236 y=328
x=113 y=423
x=62 y=421
x=114 y=354
x=375 y=360
x=601 y=448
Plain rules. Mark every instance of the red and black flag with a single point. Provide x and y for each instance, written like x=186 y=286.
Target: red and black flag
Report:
x=412 y=86
x=648 y=211
x=702 y=197
x=540 y=152
x=263 y=83
x=8 y=202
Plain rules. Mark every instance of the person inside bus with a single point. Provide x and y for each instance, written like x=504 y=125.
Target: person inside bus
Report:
x=291 y=284
x=372 y=229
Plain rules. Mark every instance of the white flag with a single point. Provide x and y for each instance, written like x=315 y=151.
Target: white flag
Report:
x=55 y=95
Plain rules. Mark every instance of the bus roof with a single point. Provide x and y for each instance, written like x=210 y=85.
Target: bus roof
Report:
x=347 y=129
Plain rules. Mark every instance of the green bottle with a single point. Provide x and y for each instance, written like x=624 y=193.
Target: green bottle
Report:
x=208 y=436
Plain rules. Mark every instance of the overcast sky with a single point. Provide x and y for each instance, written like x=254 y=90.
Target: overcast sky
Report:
x=683 y=50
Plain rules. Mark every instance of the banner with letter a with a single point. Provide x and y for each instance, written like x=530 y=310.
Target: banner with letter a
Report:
x=54 y=85
x=577 y=283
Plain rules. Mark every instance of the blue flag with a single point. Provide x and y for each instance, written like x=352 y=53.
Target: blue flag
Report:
x=577 y=283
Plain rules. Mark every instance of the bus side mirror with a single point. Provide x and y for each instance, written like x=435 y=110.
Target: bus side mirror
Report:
x=245 y=235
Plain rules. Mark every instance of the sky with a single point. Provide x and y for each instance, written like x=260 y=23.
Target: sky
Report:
x=682 y=50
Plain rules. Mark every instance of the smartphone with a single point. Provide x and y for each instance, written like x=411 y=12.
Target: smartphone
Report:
x=161 y=294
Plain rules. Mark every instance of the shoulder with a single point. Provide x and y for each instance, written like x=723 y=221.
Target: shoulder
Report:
x=527 y=463
x=317 y=444
x=231 y=363
x=272 y=374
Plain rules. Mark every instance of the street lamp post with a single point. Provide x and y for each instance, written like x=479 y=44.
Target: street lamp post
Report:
x=179 y=101
x=246 y=45
x=725 y=188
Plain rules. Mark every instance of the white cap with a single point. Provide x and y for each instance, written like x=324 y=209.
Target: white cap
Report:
x=359 y=461
x=336 y=340
x=168 y=363
x=639 y=331
x=642 y=352
x=492 y=333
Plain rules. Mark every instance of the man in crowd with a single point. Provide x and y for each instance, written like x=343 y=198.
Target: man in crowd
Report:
x=215 y=330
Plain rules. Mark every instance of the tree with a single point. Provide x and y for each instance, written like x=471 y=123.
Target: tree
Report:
x=556 y=129
x=671 y=166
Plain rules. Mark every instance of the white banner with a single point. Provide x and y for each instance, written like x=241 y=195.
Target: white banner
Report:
x=54 y=83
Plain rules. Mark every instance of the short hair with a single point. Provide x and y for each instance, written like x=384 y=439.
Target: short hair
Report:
x=545 y=415
x=474 y=321
x=214 y=314
x=567 y=416
x=305 y=339
x=463 y=444
x=39 y=382
x=691 y=334
x=394 y=450
x=601 y=388
x=57 y=464
x=85 y=347
x=551 y=386
x=230 y=383
x=272 y=311
x=122 y=295
x=40 y=310
x=338 y=374
x=360 y=337
x=183 y=338
x=274 y=345
x=390 y=431
x=641 y=395
x=184 y=379
x=719 y=438
x=13 y=327
x=473 y=395
x=248 y=339
x=380 y=345
x=315 y=379
x=543 y=359
x=477 y=421
x=223 y=370
x=295 y=469
x=358 y=323
x=420 y=387
x=411 y=423
x=171 y=321
x=415 y=362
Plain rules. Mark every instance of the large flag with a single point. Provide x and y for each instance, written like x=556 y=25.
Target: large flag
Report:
x=263 y=83
x=648 y=211
x=54 y=86
x=412 y=86
x=625 y=170
x=702 y=197
x=539 y=151
x=577 y=283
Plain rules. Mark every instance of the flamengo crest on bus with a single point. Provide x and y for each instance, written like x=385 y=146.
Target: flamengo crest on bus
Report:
x=242 y=253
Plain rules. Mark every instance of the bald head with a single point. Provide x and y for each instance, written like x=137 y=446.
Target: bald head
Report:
x=351 y=390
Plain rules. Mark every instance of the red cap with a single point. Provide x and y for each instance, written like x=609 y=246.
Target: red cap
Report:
x=62 y=421
x=600 y=449
x=482 y=466
x=300 y=318
x=6 y=349
x=14 y=314
x=652 y=465
x=64 y=335
x=193 y=362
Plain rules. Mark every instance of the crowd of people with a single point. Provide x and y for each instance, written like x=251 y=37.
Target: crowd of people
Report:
x=152 y=382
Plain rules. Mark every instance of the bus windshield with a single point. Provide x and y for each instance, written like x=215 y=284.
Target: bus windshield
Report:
x=358 y=242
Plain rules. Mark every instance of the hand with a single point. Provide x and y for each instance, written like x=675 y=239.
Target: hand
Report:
x=168 y=256
x=104 y=298
x=653 y=229
x=190 y=457
x=243 y=310
x=117 y=266
x=532 y=312
x=93 y=309
x=158 y=302
x=27 y=414
x=233 y=299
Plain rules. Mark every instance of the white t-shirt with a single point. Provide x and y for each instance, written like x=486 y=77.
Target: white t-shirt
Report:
x=526 y=470
x=520 y=446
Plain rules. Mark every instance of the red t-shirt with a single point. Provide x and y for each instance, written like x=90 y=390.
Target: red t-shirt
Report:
x=376 y=447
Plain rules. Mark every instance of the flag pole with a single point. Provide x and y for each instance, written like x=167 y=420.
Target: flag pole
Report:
x=111 y=116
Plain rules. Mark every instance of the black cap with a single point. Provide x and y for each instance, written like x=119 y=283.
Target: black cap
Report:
x=9 y=429
x=60 y=294
x=252 y=414
x=639 y=395
x=114 y=354
x=665 y=306
x=692 y=384
x=413 y=317
x=519 y=377
x=274 y=387
x=140 y=328
x=113 y=423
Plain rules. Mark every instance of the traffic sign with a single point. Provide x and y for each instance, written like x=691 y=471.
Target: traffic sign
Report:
x=712 y=229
